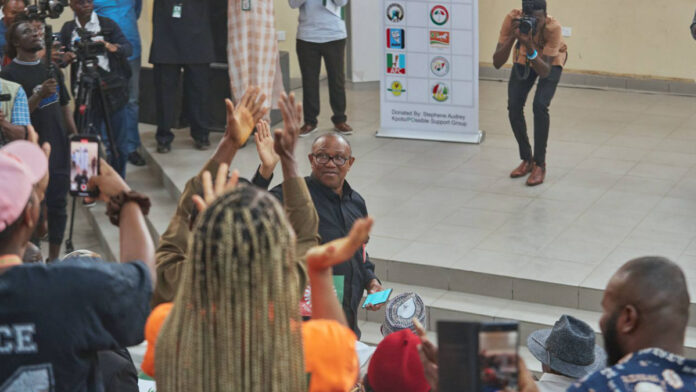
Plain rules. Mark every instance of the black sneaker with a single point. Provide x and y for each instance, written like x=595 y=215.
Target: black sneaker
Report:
x=136 y=159
x=164 y=148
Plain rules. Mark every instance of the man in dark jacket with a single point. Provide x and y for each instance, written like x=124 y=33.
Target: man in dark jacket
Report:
x=339 y=206
x=113 y=69
x=181 y=38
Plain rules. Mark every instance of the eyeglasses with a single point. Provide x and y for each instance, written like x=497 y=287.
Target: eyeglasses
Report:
x=325 y=158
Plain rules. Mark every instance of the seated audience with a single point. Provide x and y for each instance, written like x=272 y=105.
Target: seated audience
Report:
x=59 y=316
x=263 y=275
x=644 y=319
x=567 y=352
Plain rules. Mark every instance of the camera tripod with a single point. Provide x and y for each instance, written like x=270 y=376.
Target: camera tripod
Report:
x=90 y=91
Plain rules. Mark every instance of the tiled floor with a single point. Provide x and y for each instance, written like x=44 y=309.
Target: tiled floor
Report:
x=621 y=183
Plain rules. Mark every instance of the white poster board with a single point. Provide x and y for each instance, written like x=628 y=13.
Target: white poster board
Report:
x=429 y=79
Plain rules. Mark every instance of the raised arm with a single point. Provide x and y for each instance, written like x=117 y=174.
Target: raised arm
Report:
x=134 y=237
x=173 y=244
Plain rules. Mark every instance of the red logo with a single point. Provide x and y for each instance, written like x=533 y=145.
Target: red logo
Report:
x=439 y=38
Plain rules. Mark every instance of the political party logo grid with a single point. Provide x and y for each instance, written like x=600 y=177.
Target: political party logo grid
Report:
x=396 y=39
x=439 y=66
x=440 y=92
x=395 y=13
x=439 y=15
x=396 y=88
x=440 y=39
x=396 y=63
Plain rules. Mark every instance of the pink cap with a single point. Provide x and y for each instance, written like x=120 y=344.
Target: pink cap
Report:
x=22 y=164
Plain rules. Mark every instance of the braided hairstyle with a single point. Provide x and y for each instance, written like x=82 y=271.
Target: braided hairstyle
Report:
x=235 y=324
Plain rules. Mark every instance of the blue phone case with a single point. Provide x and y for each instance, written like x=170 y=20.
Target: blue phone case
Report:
x=377 y=298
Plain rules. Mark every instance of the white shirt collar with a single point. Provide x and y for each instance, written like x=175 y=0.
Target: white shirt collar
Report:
x=91 y=24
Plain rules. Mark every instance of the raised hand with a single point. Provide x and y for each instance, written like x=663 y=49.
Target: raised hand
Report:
x=211 y=191
x=428 y=356
x=264 y=146
x=286 y=139
x=242 y=118
x=341 y=249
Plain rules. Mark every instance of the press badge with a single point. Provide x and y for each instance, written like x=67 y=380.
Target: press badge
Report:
x=176 y=12
x=246 y=5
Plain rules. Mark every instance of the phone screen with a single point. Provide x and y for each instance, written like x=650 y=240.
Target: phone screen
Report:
x=498 y=357
x=84 y=163
x=458 y=356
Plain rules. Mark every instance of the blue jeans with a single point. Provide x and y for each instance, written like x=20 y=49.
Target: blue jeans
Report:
x=132 y=132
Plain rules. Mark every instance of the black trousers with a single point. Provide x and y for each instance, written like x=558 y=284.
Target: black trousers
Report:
x=310 y=55
x=56 y=205
x=518 y=90
x=196 y=86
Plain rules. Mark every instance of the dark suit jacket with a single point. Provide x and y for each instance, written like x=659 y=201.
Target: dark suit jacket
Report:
x=118 y=61
x=184 y=40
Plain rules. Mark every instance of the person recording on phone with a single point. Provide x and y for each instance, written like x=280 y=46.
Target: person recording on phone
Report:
x=50 y=115
x=113 y=69
x=535 y=39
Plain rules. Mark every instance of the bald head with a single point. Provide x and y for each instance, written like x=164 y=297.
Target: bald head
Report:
x=655 y=285
x=646 y=304
x=331 y=136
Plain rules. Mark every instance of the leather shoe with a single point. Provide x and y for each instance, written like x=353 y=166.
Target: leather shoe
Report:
x=164 y=148
x=343 y=128
x=522 y=170
x=537 y=176
x=136 y=159
x=308 y=129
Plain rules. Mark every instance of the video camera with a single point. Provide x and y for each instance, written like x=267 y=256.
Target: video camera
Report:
x=528 y=22
x=84 y=48
x=47 y=9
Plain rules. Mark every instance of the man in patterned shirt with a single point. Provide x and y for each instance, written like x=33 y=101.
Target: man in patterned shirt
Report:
x=14 y=113
x=646 y=311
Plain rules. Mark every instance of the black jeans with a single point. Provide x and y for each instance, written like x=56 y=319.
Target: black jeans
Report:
x=518 y=90
x=309 y=55
x=196 y=86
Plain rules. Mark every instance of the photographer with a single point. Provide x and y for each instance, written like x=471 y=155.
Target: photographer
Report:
x=539 y=51
x=112 y=66
x=50 y=113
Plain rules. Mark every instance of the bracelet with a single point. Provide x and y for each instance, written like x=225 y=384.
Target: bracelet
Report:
x=533 y=56
x=116 y=203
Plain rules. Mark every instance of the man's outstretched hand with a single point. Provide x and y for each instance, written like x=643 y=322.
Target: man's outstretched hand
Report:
x=339 y=250
x=242 y=118
x=286 y=139
x=264 y=146
x=211 y=191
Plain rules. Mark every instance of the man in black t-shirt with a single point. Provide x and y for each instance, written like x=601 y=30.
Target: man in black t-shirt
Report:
x=48 y=104
x=56 y=318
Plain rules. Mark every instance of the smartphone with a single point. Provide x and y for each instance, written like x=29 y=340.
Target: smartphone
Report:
x=377 y=298
x=84 y=163
x=479 y=357
x=498 y=345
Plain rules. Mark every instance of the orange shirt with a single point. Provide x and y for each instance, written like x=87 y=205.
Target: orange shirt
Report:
x=549 y=40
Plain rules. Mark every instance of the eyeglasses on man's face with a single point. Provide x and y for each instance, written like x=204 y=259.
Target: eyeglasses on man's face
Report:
x=325 y=158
